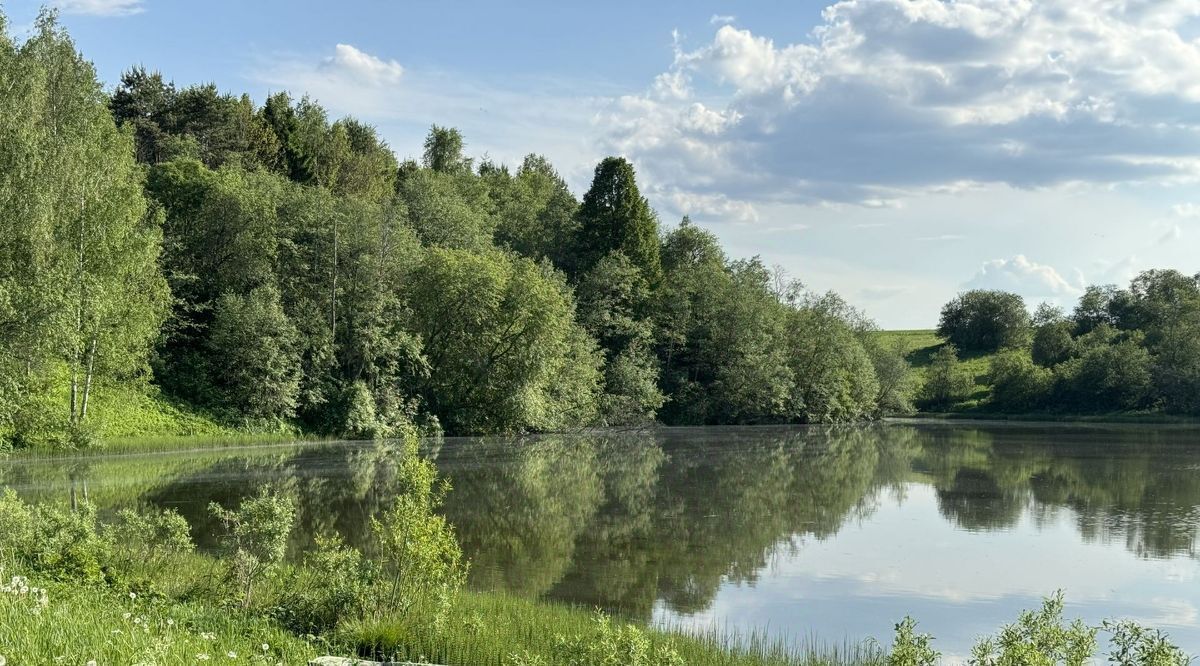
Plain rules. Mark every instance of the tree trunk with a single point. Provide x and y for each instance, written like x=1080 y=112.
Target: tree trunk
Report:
x=87 y=378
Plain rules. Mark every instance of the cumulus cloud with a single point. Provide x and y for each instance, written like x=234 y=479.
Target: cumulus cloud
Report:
x=1023 y=276
x=890 y=98
x=362 y=66
x=721 y=19
x=101 y=7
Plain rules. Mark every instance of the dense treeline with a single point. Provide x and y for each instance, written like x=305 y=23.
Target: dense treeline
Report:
x=276 y=267
x=1118 y=350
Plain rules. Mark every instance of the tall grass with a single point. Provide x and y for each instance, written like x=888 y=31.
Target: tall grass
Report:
x=82 y=625
x=486 y=628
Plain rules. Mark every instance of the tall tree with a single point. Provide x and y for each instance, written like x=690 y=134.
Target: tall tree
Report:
x=444 y=151
x=82 y=261
x=615 y=216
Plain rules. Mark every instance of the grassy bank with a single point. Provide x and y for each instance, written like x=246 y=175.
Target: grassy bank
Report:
x=488 y=628
x=919 y=347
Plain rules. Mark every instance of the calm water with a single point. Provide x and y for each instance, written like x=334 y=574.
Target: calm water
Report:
x=832 y=533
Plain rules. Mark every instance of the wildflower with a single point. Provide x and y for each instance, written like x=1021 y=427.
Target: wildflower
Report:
x=202 y=657
x=91 y=662
x=231 y=654
x=170 y=622
x=126 y=616
x=114 y=632
x=266 y=648
x=133 y=595
x=3 y=661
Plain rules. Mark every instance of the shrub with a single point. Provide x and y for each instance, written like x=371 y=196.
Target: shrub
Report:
x=1018 y=383
x=910 y=648
x=946 y=381
x=256 y=537
x=421 y=565
x=1135 y=645
x=1038 y=637
x=143 y=543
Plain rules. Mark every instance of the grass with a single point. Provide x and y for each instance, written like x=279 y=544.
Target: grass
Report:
x=485 y=628
x=919 y=347
x=81 y=625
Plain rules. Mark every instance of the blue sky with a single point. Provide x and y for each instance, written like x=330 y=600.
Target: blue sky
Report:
x=896 y=151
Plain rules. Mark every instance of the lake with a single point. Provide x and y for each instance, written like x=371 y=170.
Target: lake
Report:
x=831 y=534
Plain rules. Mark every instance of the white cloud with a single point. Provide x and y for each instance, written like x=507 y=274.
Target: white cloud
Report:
x=707 y=206
x=101 y=7
x=721 y=19
x=1023 y=276
x=1186 y=210
x=893 y=98
x=366 y=68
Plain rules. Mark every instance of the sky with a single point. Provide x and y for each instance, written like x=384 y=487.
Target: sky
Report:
x=895 y=151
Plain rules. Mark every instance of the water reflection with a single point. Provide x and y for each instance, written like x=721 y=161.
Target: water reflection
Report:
x=747 y=522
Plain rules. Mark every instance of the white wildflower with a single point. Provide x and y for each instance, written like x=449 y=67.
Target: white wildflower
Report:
x=202 y=657
x=3 y=661
x=133 y=595
x=231 y=654
x=170 y=622
x=207 y=635
x=91 y=662
x=266 y=648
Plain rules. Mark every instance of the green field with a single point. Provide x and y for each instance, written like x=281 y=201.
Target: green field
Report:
x=919 y=347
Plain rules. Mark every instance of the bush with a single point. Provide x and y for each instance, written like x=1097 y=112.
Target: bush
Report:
x=946 y=381
x=1052 y=343
x=910 y=648
x=420 y=562
x=1017 y=382
x=1106 y=377
x=1038 y=637
x=255 y=537
x=143 y=543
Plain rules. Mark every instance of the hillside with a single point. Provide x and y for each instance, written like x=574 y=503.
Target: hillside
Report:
x=919 y=346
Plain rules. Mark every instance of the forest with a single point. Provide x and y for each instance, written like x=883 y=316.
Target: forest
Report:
x=278 y=269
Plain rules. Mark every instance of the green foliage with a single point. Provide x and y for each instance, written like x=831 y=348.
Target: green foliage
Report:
x=253 y=353
x=52 y=540
x=1018 y=384
x=610 y=644
x=983 y=320
x=1052 y=343
x=255 y=539
x=420 y=563
x=1106 y=376
x=79 y=279
x=1176 y=372
x=498 y=330
x=910 y=648
x=835 y=376
x=444 y=151
x=615 y=216
x=946 y=382
x=1135 y=645
x=142 y=543
x=613 y=302
x=1038 y=638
